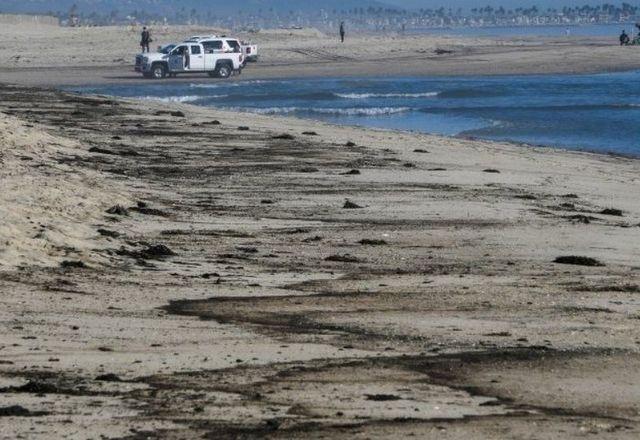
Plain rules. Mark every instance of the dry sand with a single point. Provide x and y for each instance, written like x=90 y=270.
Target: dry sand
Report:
x=434 y=310
x=37 y=55
x=234 y=293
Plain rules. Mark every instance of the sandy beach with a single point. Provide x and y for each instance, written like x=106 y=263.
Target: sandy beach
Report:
x=177 y=272
x=54 y=56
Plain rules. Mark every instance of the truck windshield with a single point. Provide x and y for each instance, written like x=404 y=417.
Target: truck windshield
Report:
x=166 y=49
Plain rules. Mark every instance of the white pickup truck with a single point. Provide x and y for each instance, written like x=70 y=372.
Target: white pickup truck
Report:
x=250 y=51
x=215 y=56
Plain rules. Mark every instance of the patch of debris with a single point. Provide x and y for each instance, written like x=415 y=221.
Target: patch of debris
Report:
x=144 y=210
x=578 y=261
x=68 y=264
x=101 y=151
x=284 y=136
x=369 y=242
x=580 y=218
x=382 y=397
x=612 y=211
x=342 y=259
x=117 y=210
x=18 y=411
x=153 y=252
x=348 y=204
x=109 y=377
x=108 y=233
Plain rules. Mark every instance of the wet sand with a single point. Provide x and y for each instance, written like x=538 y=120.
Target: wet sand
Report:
x=170 y=271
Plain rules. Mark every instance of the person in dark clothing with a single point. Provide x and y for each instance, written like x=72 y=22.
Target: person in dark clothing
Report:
x=342 y=32
x=145 y=39
x=624 y=39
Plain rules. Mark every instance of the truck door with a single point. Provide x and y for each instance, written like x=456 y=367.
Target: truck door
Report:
x=211 y=51
x=177 y=59
x=197 y=58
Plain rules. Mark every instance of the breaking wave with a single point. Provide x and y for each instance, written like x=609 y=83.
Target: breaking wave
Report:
x=180 y=99
x=386 y=95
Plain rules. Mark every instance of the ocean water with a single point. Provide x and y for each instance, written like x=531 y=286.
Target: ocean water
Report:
x=586 y=112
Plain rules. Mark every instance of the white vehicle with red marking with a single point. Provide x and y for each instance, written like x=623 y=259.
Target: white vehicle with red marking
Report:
x=213 y=55
x=250 y=51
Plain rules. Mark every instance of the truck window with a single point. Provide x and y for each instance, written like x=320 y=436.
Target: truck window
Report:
x=179 y=50
x=210 y=46
x=233 y=44
x=195 y=50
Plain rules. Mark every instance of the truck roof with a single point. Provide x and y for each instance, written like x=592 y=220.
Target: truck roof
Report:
x=198 y=38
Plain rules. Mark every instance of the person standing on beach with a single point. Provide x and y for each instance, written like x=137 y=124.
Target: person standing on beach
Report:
x=145 y=39
x=186 y=58
x=342 y=32
x=624 y=39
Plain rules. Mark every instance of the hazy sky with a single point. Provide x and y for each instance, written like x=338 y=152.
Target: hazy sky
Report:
x=506 y=3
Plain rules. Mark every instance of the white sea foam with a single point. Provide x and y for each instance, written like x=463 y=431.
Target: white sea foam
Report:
x=386 y=95
x=374 y=111
x=228 y=84
x=181 y=99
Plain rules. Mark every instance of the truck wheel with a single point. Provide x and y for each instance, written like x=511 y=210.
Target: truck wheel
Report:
x=158 y=71
x=224 y=71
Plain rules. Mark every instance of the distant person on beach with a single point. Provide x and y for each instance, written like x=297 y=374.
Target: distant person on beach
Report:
x=624 y=38
x=145 y=39
x=342 y=32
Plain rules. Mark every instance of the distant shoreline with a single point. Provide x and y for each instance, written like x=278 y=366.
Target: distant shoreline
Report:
x=106 y=75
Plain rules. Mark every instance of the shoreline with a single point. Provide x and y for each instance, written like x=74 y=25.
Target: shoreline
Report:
x=113 y=75
x=461 y=136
